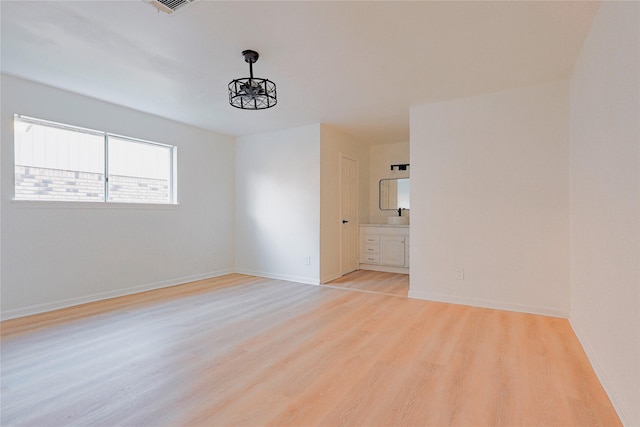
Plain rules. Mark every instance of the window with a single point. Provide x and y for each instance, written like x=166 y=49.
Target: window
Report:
x=54 y=161
x=138 y=171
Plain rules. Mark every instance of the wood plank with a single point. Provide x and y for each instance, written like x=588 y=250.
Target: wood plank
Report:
x=241 y=350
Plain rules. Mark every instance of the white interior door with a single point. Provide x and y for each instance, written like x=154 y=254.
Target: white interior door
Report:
x=349 y=215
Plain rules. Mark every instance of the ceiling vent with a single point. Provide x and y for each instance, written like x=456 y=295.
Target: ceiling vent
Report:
x=169 y=6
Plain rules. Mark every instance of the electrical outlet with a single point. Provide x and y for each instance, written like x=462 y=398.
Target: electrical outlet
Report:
x=460 y=274
x=307 y=260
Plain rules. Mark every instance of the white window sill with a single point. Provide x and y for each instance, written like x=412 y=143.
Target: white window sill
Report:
x=59 y=204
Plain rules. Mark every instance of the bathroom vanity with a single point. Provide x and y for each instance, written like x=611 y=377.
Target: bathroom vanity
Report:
x=384 y=247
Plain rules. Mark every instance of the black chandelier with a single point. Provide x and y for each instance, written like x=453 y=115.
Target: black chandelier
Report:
x=251 y=93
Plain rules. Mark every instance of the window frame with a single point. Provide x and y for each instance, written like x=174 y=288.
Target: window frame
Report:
x=173 y=173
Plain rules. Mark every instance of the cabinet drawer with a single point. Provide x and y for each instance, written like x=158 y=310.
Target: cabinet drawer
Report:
x=370 y=239
x=370 y=258
x=370 y=249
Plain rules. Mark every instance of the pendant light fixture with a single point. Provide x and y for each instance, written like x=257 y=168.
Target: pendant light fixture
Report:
x=252 y=93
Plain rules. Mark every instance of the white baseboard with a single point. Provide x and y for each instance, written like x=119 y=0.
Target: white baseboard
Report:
x=286 y=277
x=56 y=305
x=601 y=373
x=498 y=305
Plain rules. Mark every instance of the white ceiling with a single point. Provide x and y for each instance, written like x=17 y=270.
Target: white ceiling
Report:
x=356 y=65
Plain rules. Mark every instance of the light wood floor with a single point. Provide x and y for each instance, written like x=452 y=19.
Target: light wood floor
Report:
x=240 y=350
x=394 y=284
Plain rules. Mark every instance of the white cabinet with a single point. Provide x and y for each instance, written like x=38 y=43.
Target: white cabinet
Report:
x=384 y=248
x=393 y=250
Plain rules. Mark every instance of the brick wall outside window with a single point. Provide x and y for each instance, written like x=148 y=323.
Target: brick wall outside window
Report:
x=34 y=183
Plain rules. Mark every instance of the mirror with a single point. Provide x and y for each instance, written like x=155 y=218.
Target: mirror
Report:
x=394 y=193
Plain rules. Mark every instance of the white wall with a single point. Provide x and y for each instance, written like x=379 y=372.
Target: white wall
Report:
x=61 y=254
x=333 y=144
x=382 y=157
x=605 y=203
x=490 y=195
x=278 y=204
